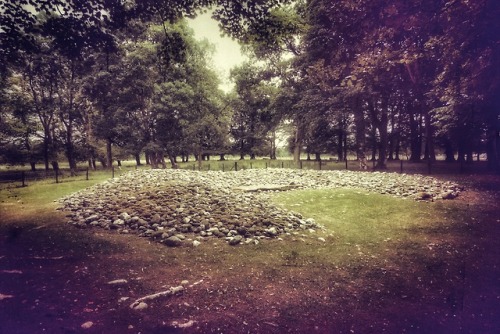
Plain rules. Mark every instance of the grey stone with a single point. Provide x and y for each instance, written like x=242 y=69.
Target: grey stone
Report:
x=156 y=219
x=119 y=222
x=235 y=240
x=173 y=241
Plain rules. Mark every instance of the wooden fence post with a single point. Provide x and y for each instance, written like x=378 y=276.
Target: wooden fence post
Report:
x=57 y=175
x=236 y=166
x=346 y=167
x=87 y=174
x=23 y=178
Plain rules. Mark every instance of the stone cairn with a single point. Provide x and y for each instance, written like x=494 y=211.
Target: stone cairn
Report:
x=177 y=206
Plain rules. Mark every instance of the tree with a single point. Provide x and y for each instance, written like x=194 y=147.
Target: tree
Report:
x=95 y=21
x=467 y=82
x=39 y=82
x=18 y=131
x=253 y=116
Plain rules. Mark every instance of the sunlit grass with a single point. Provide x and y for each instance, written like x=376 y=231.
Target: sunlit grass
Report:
x=359 y=224
x=35 y=202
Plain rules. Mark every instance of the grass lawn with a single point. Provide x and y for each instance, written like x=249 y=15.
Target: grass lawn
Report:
x=380 y=264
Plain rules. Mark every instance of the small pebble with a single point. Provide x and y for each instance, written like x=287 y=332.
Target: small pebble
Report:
x=87 y=325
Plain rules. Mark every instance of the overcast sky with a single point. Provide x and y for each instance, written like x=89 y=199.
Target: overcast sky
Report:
x=227 y=54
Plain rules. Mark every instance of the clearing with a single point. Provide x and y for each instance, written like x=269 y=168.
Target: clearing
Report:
x=381 y=263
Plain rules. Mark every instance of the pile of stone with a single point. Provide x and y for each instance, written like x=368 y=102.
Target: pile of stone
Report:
x=174 y=206
x=173 y=212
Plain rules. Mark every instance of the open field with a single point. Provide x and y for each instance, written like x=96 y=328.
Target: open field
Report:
x=22 y=175
x=381 y=264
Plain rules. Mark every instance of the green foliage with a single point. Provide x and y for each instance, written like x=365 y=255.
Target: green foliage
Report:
x=396 y=62
x=130 y=74
x=254 y=116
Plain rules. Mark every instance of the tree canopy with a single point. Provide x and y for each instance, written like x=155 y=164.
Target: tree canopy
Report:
x=385 y=77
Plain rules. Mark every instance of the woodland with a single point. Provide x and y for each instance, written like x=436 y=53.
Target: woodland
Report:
x=308 y=250
x=105 y=80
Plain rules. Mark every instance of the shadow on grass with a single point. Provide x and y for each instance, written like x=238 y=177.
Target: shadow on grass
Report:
x=52 y=239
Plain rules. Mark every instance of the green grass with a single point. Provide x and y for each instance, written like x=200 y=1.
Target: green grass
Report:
x=34 y=203
x=360 y=228
x=360 y=225
x=356 y=222
x=44 y=191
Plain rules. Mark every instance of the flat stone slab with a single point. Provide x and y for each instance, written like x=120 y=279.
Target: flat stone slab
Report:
x=266 y=187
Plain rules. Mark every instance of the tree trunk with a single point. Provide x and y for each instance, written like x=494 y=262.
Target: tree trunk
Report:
x=272 y=153
x=55 y=165
x=70 y=155
x=340 y=148
x=448 y=151
x=46 y=152
x=429 y=137
x=345 y=147
x=199 y=158
x=359 y=123
x=493 y=150
x=374 y=142
x=470 y=156
x=138 y=159
x=392 y=137
x=397 y=145
x=242 y=149
x=461 y=151
x=415 y=138
x=109 y=153
x=317 y=156
x=156 y=158
x=382 y=129
x=173 y=162
x=70 y=150
x=221 y=157
x=297 y=144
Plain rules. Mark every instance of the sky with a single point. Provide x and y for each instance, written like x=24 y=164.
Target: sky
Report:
x=228 y=53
